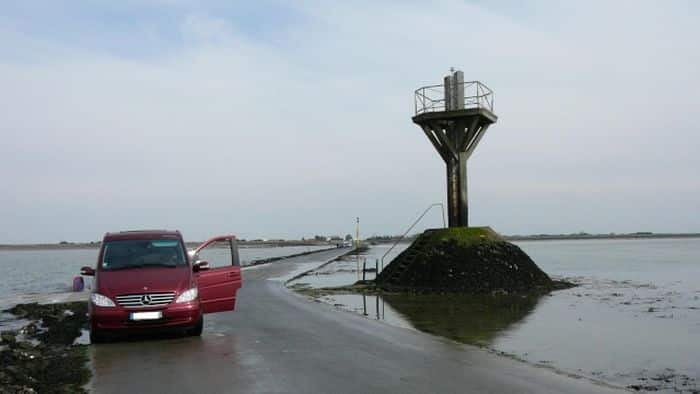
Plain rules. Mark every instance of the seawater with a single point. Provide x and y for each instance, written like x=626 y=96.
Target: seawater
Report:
x=634 y=319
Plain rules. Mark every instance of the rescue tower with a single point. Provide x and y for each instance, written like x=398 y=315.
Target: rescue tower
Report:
x=455 y=116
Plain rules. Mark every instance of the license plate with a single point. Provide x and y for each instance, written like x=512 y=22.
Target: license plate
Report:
x=147 y=315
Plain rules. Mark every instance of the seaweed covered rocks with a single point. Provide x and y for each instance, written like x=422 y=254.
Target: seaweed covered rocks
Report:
x=41 y=356
x=469 y=260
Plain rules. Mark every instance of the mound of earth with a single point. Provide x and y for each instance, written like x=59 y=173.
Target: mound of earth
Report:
x=470 y=260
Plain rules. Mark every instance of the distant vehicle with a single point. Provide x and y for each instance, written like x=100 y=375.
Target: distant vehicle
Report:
x=146 y=281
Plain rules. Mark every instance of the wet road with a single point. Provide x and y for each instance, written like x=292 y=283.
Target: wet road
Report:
x=278 y=342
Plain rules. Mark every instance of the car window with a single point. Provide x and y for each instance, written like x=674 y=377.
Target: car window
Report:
x=217 y=254
x=142 y=253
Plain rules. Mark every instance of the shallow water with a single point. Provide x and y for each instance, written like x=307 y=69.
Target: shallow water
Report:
x=634 y=319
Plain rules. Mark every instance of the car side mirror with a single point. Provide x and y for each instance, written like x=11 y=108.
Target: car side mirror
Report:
x=87 y=271
x=200 y=265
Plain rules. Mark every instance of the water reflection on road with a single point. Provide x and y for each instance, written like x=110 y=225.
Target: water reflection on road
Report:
x=181 y=352
x=471 y=320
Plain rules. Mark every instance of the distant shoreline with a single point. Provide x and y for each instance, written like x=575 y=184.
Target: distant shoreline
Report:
x=564 y=237
x=96 y=245
x=561 y=237
x=281 y=243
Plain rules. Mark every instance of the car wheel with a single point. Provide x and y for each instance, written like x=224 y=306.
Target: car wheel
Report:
x=196 y=331
x=97 y=336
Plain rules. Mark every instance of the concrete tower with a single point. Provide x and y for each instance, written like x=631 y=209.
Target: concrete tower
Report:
x=455 y=116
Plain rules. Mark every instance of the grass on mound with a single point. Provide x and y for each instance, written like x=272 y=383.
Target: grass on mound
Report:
x=464 y=236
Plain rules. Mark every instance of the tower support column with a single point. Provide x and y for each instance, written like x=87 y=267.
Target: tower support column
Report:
x=457 y=207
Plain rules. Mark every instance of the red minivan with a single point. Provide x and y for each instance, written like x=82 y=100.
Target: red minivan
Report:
x=147 y=280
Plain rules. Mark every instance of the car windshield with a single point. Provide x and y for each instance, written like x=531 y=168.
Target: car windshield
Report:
x=142 y=253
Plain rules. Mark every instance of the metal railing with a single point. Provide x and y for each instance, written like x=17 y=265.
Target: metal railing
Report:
x=432 y=98
x=444 y=224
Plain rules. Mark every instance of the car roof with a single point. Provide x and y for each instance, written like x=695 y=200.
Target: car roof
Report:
x=142 y=234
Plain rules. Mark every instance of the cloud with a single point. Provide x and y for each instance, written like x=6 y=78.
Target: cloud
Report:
x=296 y=127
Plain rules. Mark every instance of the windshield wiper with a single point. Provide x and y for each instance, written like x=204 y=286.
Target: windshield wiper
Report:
x=124 y=267
x=157 y=265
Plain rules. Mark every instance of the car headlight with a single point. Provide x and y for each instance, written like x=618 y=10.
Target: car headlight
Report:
x=100 y=300
x=187 y=296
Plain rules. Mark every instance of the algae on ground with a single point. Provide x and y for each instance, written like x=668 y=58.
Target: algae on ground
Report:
x=41 y=357
x=470 y=260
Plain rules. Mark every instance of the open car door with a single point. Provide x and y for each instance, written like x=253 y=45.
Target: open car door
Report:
x=218 y=285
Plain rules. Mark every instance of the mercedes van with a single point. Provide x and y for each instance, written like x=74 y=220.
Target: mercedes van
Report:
x=147 y=280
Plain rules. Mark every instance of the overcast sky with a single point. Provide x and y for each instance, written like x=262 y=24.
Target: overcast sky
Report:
x=286 y=119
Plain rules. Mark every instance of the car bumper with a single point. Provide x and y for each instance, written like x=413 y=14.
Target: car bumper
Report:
x=117 y=318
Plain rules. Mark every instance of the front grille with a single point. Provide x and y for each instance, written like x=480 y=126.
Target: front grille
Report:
x=145 y=300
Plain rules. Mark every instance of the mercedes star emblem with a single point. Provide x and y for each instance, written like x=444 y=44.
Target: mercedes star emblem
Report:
x=146 y=299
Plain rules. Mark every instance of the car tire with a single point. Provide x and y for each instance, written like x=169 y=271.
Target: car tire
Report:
x=97 y=336
x=196 y=331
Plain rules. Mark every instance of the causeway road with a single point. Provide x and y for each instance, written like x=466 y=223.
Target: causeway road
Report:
x=279 y=342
